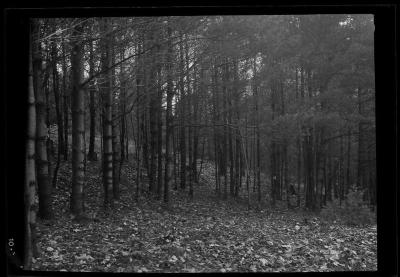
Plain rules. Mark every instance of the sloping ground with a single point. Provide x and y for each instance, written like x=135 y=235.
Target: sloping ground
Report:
x=203 y=235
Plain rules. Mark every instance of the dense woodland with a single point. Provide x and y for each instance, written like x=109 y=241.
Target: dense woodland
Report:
x=275 y=110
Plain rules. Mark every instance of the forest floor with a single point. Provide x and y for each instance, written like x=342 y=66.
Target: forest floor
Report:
x=205 y=234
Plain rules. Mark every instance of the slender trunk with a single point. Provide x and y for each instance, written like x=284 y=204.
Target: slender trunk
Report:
x=107 y=117
x=201 y=160
x=299 y=154
x=258 y=165
x=159 y=133
x=56 y=91
x=92 y=104
x=116 y=147
x=174 y=146
x=60 y=123
x=122 y=100
x=225 y=128
x=49 y=141
x=65 y=101
x=182 y=118
x=138 y=127
x=168 y=120
x=190 y=93
x=341 y=170
x=361 y=172
x=196 y=132
x=285 y=174
x=237 y=155
x=348 y=181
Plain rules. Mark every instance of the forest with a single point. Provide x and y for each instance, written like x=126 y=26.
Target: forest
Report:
x=201 y=144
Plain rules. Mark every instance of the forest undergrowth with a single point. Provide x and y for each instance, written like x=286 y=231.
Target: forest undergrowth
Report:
x=205 y=234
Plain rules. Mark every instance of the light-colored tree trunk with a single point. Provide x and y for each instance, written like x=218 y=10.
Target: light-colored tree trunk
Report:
x=30 y=177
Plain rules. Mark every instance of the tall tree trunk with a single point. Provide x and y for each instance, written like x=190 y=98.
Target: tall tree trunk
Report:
x=60 y=123
x=286 y=173
x=78 y=124
x=152 y=173
x=348 y=167
x=182 y=105
x=116 y=147
x=299 y=155
x=107 y=117
x=138 y=124
x=56 y=91
x=189 y=121
x=65 y=100
x=257 y=122
x=42 y=164
x=273 y=156
x=168 y=119
x=237 y=132
x=196 y=104
x=214 y=81
x=230 y=137
x=224 y=157
x=91 y=155
x=159 y=130
x=361 y=166
x=122 y=100
x=341 y=170
x=30 y=176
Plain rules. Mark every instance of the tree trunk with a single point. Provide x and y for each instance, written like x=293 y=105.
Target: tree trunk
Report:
x=56 y=91
x=168 y=120
x=30 y=178
x=138 y=124
x=159 y=131
x=182 y=118
x=189 y=121
x=42 y=164
x=91 y=155
x=224 y=162
x=78 y=124
x=65 y=101
x=116 y=147
x=348 y=167
x=107 y=117
x=152 y=173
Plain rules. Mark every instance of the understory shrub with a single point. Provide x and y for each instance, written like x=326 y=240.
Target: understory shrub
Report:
x=352 y=211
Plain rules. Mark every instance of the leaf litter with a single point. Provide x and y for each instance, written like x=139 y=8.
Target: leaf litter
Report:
x=200 y=235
